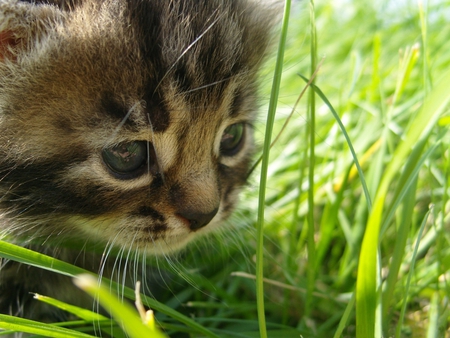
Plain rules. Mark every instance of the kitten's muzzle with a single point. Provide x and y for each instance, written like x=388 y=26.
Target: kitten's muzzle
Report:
x=197 y=220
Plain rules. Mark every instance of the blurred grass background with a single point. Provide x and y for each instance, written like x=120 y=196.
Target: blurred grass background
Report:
x=360 y=268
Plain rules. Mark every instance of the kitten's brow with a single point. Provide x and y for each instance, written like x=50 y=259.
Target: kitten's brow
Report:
x=124 y=120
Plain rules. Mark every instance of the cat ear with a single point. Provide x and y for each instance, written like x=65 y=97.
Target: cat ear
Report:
x=22 y=25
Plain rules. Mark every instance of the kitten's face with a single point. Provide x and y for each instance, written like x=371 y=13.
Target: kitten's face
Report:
x=127 y=122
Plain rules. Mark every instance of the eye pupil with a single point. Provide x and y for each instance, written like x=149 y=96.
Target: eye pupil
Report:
x=125 y=159
x=232 y=139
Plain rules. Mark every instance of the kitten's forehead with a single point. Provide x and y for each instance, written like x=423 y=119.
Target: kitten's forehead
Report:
x=161 y=56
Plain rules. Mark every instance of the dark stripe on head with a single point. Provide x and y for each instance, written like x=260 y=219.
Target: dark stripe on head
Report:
x=158 y=114
x=145 y=17
x=182 y=77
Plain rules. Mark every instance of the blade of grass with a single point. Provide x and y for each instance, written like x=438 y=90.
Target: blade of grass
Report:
x=407 y=63
x=344 y=319
x=85 y=314
x=29 y=257
x=264 y=169
x=399 y=250
x=433 y=326
x=410 y=274
x=423 y=13
x=409 y=174
x=38 y=328
x=347 y=138
x=329 y=220
x=375 y=85
x=310 y=243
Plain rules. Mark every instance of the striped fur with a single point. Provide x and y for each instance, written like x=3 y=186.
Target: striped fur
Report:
x=81 y=76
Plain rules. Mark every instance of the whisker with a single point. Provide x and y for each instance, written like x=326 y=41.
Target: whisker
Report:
x=206 y=86
x=152 y=136
x=124 y=120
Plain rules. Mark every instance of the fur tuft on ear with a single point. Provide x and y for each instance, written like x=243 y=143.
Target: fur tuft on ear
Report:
x=22 y=24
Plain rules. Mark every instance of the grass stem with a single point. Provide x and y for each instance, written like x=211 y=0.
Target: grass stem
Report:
x=264 y=169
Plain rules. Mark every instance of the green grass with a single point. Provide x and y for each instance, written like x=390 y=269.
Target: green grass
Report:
x=345 y=251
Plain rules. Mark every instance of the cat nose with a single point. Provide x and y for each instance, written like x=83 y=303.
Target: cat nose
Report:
x=198 y=220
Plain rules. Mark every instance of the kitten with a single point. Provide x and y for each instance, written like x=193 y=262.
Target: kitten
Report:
x=122 y=122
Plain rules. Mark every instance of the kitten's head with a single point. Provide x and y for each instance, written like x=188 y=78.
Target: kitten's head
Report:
x=126 y=121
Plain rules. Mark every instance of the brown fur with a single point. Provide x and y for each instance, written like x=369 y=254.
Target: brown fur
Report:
x=77 y=77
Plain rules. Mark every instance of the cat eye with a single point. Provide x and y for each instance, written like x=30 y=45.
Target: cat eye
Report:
x=126 y=160
x=232 y=139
